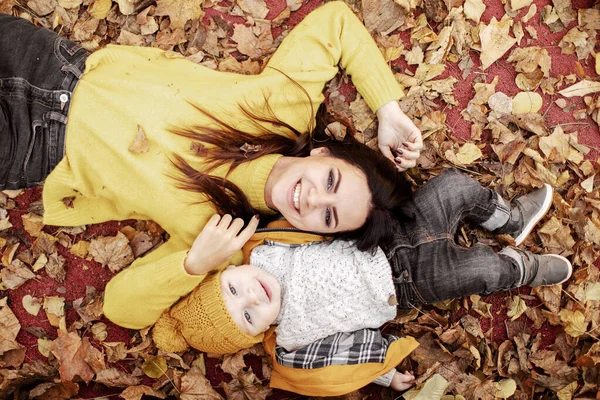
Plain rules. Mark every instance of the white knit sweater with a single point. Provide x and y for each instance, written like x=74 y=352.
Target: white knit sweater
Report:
x=327 y=288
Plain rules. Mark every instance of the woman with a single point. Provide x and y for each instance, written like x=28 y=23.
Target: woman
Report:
x=105 y=173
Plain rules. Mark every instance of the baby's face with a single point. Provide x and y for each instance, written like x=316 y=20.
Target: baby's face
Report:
x=252 y=297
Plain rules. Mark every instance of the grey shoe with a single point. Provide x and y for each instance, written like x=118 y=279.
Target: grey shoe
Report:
x=540 y=270
x=527 y=210
x=545 y=270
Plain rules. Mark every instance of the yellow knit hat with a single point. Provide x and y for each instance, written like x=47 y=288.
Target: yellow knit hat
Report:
x=201 y=320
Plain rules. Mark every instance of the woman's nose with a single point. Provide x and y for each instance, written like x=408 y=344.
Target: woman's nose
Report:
x=318 y=199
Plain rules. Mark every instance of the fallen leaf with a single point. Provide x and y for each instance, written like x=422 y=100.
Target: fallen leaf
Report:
x=195 y=386
x=137 y=392
x=526 y=102
x=113 y=252
x=516 y=308
x=31 y=304
x=495 y=41
x=154 y=367
x=140 y=143
x=581 y=89
x=179 y=11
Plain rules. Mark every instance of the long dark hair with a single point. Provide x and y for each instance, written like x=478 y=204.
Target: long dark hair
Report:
x=389 y=189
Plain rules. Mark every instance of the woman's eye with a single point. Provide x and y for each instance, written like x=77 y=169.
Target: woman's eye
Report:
x=247 y=316
x=327 y=216
x=330 y=180
x=232 y=290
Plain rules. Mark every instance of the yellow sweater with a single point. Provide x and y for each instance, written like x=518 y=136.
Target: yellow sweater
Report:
x=126 y=87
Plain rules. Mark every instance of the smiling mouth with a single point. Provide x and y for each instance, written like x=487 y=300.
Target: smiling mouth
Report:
x=296 y=197
x=266 y=289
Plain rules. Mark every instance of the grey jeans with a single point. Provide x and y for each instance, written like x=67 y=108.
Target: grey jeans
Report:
x=427 y=263
x=38 y=73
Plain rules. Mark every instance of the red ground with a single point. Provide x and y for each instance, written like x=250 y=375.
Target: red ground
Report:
x=82 y=273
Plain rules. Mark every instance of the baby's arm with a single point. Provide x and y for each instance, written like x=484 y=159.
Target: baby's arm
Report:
x=402 y=380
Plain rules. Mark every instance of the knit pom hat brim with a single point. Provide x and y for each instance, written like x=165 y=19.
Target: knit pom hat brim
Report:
x=202 y=320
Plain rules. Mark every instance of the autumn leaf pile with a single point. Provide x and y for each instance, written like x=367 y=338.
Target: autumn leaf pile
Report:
x=506 y=91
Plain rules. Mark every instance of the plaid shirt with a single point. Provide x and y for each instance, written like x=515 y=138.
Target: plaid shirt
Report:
x=359 y=347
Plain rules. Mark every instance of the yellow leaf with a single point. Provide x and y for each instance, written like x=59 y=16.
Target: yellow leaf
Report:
x=99 y=9
x=517 y=307
x=506 y=388
x=518 y=4
x=433 y=389
x=581 y=89
x=592 y=292
x=5 y=224
x=573 y=321
x=33 y=224
x=40 y=263
x=468 y=153
x=55 y=309
x=154 y=367
x=474 y=9
x=598 y=63
x=567 y=392
x=44 y=346
x=140 y=143
x=526 y=102
x=31 y=304
x=179 y=11
x=80 y=249
x=495 y=41
x=588 y=184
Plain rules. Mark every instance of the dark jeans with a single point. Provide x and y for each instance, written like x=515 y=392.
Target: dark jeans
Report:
x=38 y=73
x=428 y=265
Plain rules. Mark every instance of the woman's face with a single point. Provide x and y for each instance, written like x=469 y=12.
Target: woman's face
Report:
x=319 y=193
x=252 y=297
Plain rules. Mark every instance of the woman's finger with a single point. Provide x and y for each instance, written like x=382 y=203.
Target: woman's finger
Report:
x=225 y=221
x=248 y=231
x=408 y=154
x=236 y=226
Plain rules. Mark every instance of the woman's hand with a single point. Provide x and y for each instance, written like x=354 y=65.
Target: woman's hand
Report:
x=402 y=381
x=399 y=138
x=218 y=241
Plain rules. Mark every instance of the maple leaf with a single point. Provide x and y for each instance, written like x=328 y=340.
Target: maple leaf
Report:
x=69 y=351
x=179 y=11
x=114 y=252
x=50 y=391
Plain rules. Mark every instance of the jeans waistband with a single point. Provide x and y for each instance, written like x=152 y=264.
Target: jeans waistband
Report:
x=406 y=291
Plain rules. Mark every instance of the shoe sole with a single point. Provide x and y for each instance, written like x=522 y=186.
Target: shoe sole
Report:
x=536 y=218
x=568 y=263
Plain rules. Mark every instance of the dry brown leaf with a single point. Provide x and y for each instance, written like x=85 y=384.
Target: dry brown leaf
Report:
x=582 y=88
x=495 y=41
x=254 y=41
x=383 y=16
x=516 y=308
x=179 y=11
x=140 y=143
x=69 y=351
x=55 y=309
x=136 y=392
x=33 y=224
x=113 y=252
x=195 y=386
x=113 y=377
x=257 y=8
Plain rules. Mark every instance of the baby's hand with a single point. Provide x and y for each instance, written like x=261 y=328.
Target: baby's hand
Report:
x=219 y=240
x=402 y=381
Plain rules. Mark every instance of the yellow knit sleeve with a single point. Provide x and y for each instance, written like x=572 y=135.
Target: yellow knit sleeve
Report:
x=331 y=36
x=136 y=297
